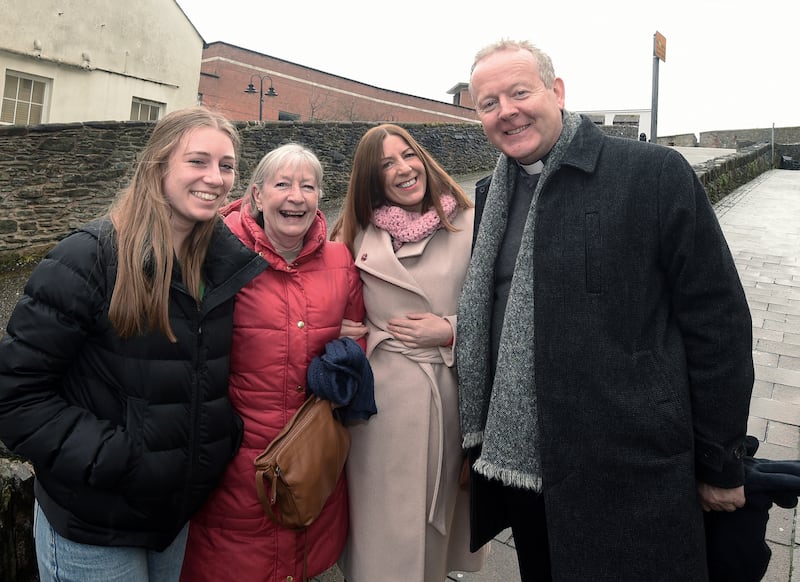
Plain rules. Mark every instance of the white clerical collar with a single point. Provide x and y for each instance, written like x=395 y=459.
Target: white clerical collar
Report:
x=534 y=168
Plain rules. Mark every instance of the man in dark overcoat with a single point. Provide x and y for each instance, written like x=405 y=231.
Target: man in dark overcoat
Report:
x=605 y=343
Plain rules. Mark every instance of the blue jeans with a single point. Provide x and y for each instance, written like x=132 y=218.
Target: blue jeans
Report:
x=62 y=560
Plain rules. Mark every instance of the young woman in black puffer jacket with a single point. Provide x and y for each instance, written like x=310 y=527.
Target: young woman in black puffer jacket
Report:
x=114 y=365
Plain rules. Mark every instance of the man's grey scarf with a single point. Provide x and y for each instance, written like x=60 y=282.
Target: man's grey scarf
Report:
x=501 y=413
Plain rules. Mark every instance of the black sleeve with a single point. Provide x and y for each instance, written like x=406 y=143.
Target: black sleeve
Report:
x=45 y=334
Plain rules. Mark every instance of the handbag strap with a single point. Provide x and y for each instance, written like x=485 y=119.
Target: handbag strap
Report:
x=262 y=495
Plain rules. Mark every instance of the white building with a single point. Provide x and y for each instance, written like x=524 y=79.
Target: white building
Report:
x=636 y=117
x=82 y=60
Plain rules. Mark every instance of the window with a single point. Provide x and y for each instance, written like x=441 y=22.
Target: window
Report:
x=144 y=110
x=23 y=99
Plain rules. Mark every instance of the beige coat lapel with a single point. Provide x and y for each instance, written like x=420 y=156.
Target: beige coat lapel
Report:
x=375 y=256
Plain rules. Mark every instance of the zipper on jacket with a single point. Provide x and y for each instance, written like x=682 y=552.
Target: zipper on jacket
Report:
x=195 y=399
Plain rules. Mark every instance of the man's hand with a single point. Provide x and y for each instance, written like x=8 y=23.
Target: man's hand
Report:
x=720 y=499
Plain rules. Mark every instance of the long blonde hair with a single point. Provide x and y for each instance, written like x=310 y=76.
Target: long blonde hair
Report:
x=144 y=238
x=365 y=192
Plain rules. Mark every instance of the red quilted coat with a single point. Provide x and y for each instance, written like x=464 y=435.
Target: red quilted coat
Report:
x=282 y=319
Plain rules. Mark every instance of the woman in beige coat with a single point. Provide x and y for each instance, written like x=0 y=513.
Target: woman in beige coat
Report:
x=409 y=227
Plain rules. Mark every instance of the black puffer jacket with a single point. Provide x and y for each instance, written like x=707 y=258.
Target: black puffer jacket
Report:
x=127 y=436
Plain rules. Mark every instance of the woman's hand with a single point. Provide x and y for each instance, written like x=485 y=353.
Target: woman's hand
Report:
x=421 y=330
x=353 y=329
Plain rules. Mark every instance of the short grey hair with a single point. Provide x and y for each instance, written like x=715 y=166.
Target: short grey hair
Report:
x=271 y=163
x=546 y=72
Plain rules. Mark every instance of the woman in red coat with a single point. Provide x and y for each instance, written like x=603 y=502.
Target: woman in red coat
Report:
x=282 y=319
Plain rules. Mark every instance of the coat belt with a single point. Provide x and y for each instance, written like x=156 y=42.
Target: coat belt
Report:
x=426 y=357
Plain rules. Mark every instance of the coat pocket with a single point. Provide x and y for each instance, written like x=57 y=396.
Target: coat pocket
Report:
x=670 y=409
x=593 y=249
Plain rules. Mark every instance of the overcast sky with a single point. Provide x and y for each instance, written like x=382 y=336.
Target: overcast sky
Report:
x=730 y=64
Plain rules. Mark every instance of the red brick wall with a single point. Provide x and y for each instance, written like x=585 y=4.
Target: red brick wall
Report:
x=308 y=93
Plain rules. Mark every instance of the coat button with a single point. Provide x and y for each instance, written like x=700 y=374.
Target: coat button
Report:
x=299 y=388
x=289 y=578
x=301 y=324
x=364 y=257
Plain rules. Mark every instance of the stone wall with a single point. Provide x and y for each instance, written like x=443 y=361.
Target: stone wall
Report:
x=723 y=175
x=733 y=138
x=737 y=138
x=17 y=553
x=686 y=140
x=56 y=177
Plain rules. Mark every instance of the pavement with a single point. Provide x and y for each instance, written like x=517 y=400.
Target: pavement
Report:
x=761 y=222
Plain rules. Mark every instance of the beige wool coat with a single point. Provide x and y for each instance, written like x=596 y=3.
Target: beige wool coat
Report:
x=409 y=519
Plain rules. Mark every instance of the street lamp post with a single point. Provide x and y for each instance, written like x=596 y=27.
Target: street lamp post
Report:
x=271 y=92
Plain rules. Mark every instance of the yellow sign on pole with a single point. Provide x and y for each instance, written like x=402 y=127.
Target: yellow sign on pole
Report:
x=660 y=46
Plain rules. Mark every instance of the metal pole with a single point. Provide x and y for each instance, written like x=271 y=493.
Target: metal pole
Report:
x=654 y=106
x=773 y=145
x=260 y=98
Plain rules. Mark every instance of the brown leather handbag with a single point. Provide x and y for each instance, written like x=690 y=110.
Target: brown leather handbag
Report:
x=302 y=465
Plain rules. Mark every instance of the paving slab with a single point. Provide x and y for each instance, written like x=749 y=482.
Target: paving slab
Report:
x=761 y=222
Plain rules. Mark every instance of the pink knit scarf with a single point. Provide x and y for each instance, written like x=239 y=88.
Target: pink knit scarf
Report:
x=406 y=226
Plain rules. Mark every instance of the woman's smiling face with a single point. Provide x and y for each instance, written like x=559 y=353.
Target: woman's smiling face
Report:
x=404 y=178
x=200 y=173
x=288 y=201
